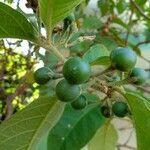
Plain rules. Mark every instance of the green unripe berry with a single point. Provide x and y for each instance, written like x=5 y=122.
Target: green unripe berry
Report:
x=140 y=74
x=67 y=92
x=79 y=103
x=76 y=70
x=41 y=76
x=123 y=59
x=120 y=109
x=106 y=112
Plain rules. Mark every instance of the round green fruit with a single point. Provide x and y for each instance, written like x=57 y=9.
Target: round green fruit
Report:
x=140 y=74
x=105 y=110
x=76 y=70
x=123 y=59
x=41 y=76
x=120 y=109
x=79 y=103
x=67 y=92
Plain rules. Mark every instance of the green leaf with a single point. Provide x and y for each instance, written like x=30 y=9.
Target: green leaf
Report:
x=121 y=6
x=91 y=97
x=147 y=34
x=81 y=46
x=42 y=145
x=8 y=1
x=24 y=130
x=105 y=61
x=106 y=41
x=14 y=25
x=50 y=60
x=95 y=52
x=141 y=115
x=53 y=11
x=141 y=3
x=92 y=22
x=75 y=129
x=105 y=138
x=106 y=6
x=74 y=36
x=121 y=23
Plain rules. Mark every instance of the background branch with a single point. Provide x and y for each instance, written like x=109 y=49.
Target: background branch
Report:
x=136 y=6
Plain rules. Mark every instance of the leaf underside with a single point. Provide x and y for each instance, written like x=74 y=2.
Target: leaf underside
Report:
x=24 y=130
x=141 y=116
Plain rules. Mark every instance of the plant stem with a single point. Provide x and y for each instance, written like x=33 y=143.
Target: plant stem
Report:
x=57 y=53
x=139 y=9
x=141 y=43
x=48 y=46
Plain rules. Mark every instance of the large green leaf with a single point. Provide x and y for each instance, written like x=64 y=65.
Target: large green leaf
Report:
x=141 y=3
x=53 y=11
x=14 y=25
x=95 y=52
x=104 y=139
x=108 y=42
x=121 y=6
x=106 y=6
x=75 y=129
x=92 y=22
x=24 y=130
x=141 y=115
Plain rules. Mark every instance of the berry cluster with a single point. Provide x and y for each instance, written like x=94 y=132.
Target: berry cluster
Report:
x=76 y=72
